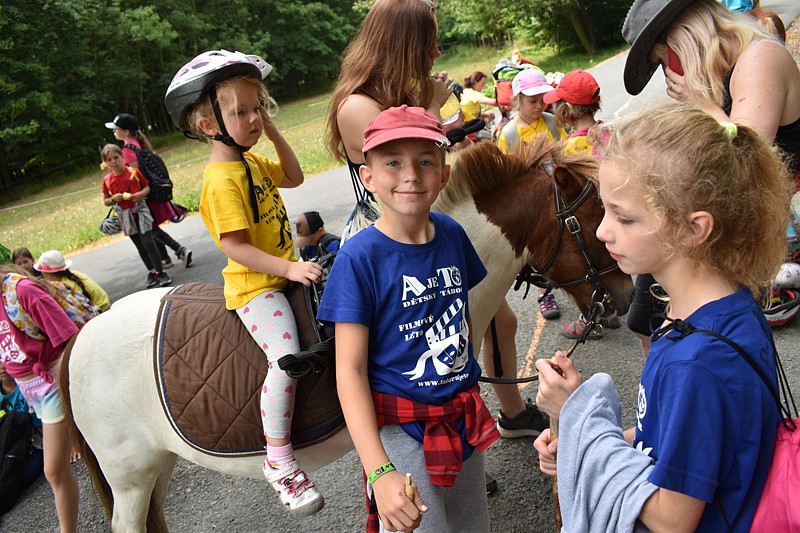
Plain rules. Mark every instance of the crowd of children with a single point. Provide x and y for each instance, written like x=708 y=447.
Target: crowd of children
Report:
x=675 y=181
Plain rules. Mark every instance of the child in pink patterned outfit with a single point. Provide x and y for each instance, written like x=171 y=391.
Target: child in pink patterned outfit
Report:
x=219 y=98
x=29 y=350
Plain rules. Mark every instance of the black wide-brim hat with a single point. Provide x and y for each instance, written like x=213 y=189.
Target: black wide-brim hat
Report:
x=644 y=26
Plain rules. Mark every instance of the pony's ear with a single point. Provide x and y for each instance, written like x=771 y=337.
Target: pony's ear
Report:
x=565 y=179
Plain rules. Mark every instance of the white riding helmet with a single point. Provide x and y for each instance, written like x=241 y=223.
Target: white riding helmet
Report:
x=205 y=71
x=788 y=277
x=111 y=226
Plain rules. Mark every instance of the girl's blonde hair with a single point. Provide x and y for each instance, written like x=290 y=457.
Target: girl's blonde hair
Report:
x=143 y=140
x=107 y=149
x=688 y=162
x=387 y=61
x=226 y=94
x=566 y=115
x=709 y=38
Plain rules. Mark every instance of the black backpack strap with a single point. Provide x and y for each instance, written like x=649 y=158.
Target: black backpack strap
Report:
x=324 y=241
x=683 y=328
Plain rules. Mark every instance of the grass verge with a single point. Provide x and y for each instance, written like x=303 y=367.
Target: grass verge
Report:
x=65 y=215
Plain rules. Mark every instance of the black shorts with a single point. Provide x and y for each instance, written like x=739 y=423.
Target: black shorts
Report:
x=643 y=306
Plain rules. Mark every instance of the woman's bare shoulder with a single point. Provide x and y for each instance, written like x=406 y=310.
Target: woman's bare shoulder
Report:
x=765 y=54
x=355 y=112
x=358 y=103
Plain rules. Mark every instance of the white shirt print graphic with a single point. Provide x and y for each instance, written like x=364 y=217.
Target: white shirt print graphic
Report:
x=9 y=350
x=447 y=340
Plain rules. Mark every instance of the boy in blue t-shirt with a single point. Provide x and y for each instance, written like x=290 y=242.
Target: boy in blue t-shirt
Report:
x=406 y=374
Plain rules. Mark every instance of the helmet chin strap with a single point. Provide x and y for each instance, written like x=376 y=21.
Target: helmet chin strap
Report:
x=227 y=140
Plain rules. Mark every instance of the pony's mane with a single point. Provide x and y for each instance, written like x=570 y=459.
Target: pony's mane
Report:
x=483 y=167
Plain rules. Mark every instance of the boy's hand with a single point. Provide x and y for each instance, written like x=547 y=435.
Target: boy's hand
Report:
x=547 y=452
x=305 y=273
x=397 y=512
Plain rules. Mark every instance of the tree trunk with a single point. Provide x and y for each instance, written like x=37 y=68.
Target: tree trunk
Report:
x=582 y=29
x=5 y=174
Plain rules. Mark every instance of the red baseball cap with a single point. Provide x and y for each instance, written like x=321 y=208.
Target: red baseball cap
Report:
x=577 y=87
x=403 y=123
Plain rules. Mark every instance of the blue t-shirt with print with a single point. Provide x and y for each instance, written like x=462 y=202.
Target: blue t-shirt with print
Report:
x=413 y=299
x=706 y=417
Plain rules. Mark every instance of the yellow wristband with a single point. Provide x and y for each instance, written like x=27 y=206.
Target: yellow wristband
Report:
x=373 y=476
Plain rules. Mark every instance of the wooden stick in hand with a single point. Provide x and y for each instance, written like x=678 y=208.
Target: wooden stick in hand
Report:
x=553 y=436
x=409 y=487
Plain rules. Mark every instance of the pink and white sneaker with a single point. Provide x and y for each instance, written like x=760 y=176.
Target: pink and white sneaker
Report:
x=295 y=491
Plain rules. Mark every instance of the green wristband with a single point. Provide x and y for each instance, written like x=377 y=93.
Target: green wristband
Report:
x=373 y=476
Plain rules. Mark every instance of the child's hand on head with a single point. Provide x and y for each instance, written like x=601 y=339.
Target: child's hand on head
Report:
x=305 y=273
x=270 y=130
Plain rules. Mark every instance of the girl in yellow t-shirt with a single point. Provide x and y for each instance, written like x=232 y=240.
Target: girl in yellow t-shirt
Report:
x=578 y=101
x=531 y=120
x=578 y=97
x=472 y=98
x=219 y=98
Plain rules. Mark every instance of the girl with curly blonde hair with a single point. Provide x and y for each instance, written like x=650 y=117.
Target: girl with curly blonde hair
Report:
x=700 y=205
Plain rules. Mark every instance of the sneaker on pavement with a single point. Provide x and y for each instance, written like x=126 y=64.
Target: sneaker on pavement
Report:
x=186 y=257
x=295 y=491
x=163 y=279
x=152 y=280
x=574 y=330
x=166 y=263
x=549 y=307
x=529 y=423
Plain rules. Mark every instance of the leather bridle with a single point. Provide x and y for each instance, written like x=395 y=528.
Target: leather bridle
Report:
x=565 y=214
x=601 y=298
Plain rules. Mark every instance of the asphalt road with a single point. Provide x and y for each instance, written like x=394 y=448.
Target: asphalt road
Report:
x=200 y=500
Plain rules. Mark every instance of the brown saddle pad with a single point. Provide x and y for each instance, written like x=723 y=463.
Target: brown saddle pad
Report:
x=210 y=373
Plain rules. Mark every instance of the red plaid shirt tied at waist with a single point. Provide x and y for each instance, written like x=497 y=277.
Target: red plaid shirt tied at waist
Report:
x=442 y=442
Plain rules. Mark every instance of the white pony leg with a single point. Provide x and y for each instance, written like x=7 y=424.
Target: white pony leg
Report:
x=135 y=489
x=160 y=496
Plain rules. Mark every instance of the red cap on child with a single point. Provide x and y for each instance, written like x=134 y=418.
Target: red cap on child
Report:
x=403 y=123
x=578 y=87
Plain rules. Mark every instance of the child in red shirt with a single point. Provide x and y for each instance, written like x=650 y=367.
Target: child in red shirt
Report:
x=125 y=188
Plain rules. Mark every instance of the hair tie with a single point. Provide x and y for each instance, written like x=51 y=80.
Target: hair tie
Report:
x=730 y=129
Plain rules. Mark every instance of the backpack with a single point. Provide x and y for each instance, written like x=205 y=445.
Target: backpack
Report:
x=16 y=440
x=777 y=507
x=77 y=306
x=155 y=172
x=322 y=245
x=512 y=136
